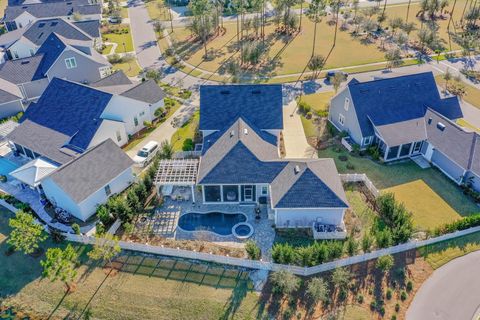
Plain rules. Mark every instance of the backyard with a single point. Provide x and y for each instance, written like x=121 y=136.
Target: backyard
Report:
x=120 y=35
x=431 y=197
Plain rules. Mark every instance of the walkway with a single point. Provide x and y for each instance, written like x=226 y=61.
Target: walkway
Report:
x=452 y=292
x=296 y=145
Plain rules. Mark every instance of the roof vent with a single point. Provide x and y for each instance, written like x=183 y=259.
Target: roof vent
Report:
x=24 y=7
x=225 y=92
x=364 y=90
x=440 y=126
x=232 y=133
x=69 y=3
x=429 y=120
x=245 y=131
x=296 y=169
x=25 y=62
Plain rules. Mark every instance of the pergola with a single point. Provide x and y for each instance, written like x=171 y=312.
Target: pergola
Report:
x=178 y=172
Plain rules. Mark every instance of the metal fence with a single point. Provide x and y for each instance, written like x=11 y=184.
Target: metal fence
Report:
x=360 y=177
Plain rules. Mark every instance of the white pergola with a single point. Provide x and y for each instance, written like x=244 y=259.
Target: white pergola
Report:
x=178 y=172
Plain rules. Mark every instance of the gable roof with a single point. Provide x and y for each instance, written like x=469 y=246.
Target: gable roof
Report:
x=38 y=32
x=261 y=105
x=90 y=27
x=91 y=171
x=397 y=99
x=402 y=132
x=22 y=70
x=51 y=9
x=51 y=49
x=34 y=171
x=294 y=186
x=9 y=92
x=116 y=78
x=71 y=109
x=9 y=38
x=147 y=91
x=239 y=154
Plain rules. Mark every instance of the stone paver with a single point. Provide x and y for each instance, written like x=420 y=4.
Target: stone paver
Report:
x=296 y=145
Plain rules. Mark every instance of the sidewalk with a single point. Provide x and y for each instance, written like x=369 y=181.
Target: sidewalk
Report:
x=296 y=145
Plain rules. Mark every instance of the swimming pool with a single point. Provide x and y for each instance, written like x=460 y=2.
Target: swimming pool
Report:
x=7 y=166
x=217 y=222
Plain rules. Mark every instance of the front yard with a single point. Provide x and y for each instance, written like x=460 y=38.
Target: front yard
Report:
x=119 y=34
x=427 y=193
x=186 y=131
x=472 y=94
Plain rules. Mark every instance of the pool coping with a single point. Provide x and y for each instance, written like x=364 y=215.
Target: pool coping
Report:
x=216 y=234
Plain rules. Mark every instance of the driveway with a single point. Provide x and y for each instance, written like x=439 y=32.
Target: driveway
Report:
x=452 y=292
x=296 y=145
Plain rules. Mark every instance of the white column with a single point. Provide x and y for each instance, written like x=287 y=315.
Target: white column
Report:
x=193 y=193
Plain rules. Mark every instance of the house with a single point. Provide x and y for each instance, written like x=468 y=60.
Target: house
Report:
x=21 y=15
x=58 y=57
x=10 y=99
x=70 y=118
x=25 y=42
x=82 y=184
x=241 y=163
x=390 y=113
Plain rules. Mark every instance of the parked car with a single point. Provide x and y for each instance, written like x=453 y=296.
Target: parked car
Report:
x=146 y=154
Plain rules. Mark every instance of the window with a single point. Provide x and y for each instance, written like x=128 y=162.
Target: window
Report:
x=347 y=104
x=230 y=193
x=135 y=121
x=264 y=190
x=108 y=191
x=119 y=136
x=71 y=63
x=212 y=193
x=367 y=141
x=20 y=25
x=32 y=52
x=341 y=119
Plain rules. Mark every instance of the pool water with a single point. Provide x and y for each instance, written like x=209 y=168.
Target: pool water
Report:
x=7 y=166
x=243 y=230
x=217 y=222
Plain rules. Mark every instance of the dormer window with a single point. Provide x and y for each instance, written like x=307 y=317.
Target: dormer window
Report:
x=346 y=104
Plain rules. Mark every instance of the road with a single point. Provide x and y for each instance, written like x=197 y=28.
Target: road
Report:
x=452 y=292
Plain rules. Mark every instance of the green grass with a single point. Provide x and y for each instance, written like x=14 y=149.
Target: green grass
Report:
x=120 y=39
x=131 y=68
x=440 y=253
x=464 y=123
x=3 y=5
x=396 y=175
x=318 y=101
x=472 y=94
x=148 y=286
x=107 y=49
x=187 y=131
x=155 y=12
x=361 y=209
x=309 y=127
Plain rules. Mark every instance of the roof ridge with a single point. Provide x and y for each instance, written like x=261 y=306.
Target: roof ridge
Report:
x=390 y=78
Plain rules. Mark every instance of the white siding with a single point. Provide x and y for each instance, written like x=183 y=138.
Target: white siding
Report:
x=24 y=20
x=304 y=218
x=10 y=108
x=23 y=48
x=125 y=109
x=108 y=129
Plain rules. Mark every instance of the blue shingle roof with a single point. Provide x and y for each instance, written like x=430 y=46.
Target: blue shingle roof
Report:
x=71 y=109
x=300 y=194
x=241 y=166
x=51 y=50
x=261 y=105
x=392 y=100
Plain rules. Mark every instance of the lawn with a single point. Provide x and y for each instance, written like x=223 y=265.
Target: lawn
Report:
x=467 y=125
x=3 y=5
x=131 y=68
x=187 y=131
x=319 y=101
x=401 y=176
x=472 y=94
x=157 y=13
x=440 y=253
x=148 y=286
x=107 y=49
x=123 y=40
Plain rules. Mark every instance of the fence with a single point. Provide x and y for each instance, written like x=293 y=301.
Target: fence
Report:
x=263 y=265
x=360 y=177
x=186 y=154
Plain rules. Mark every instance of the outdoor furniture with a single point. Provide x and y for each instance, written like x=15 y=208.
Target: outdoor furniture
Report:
x=231 y=196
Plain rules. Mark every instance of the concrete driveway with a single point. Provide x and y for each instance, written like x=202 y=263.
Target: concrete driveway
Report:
x=452 y=292
x=296 y=145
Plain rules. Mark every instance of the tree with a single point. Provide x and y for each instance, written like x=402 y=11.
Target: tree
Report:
x=394 y=58
x=335 y=5
x=352 y=246
x=133 y=201
x=317 y=290
x=26 y=234
x=153 y=74
x=106 y=247
x=315 y=12
x=447 y=77
x=60 y=265
x=284 y=282
x=337 y=80
x=366 y=243
x=385 y=263
x=316 y=64
x=341 y=278
x=166 y=150
x=202 y=20
x=158 y=27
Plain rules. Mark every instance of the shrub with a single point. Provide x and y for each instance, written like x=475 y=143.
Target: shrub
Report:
x=284 y=282
x=114 y=58
x=403 y=296
x=352 y=246
x=397 y=307
x=389 y=294
x=187 y=145
x=3 y=178
x=385 y=263
x=396 y=217
x=76 y=228
x=253 y=250
x=343 y=157
x=366 y=243
x=127 y=227
x=160 y=112
x=309 y=115
x=304 y=107
x=409 y=286
x=342 y=294
x=103 y=213
x=373 y=305
x=462 y=224
x=360 y=299
x=394 y=317
x=100 y=228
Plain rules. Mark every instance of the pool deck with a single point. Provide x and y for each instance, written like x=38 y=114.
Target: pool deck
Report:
x=165 y=223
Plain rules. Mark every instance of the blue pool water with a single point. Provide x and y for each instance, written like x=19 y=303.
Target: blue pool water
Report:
x=218 y=222
x=6 y=166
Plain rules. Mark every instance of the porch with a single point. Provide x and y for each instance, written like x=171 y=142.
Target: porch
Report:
x=397 y=152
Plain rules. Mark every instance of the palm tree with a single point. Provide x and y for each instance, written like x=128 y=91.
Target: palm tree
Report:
x=316 y=10
x=335 y=4
x=408 y=10
x=202 y=11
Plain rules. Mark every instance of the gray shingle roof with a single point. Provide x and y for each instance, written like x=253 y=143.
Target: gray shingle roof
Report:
x=92 y=170
x=403 y=132
x=41 y=29
x=117 y=78
x=42 y=140
x=319 y=177
x=475 y=161
x=90 y=27
x=21 y=70
x=51 y=9
x=7 y=39
x=9 y=92
x=147 y=91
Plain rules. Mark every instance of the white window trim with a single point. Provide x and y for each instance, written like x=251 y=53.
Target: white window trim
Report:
x=341 y=119
x=368 y=140
x=69 y=64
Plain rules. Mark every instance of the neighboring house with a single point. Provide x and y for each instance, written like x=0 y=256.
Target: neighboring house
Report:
x=19 y=16
x=241 y=163
x=57 y=57
x=22 y=43
x=70 y=118
x=10 y=99
x=81 y=185
x=390 y=113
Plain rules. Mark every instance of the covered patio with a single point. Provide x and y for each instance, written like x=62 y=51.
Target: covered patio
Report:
x=174 y=176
